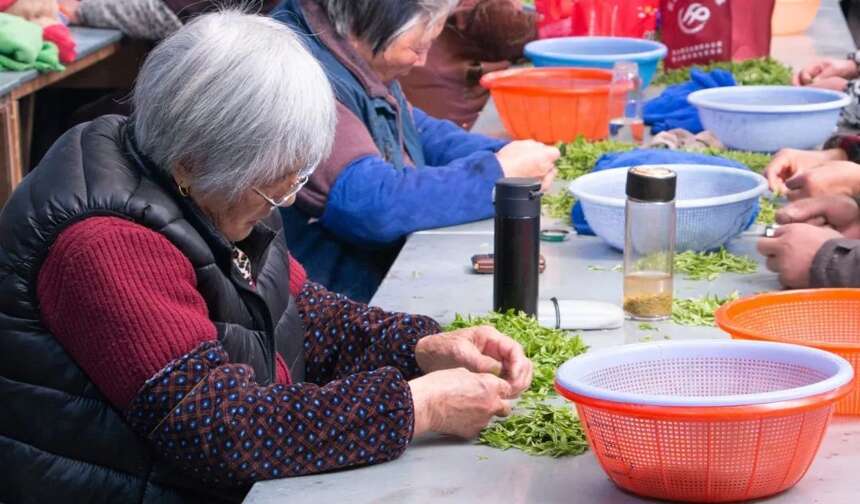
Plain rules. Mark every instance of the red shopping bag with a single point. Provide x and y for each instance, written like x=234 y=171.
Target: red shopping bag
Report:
x=701 y=31
x=612 y=18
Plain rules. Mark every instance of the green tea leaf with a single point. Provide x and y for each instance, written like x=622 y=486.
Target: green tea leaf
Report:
x=578 y=157
x=699 y=311
x=542 y=429
x=537 y=428
x=547 y=348
x=709 y=265
x=755 y=161
x=558 y=205
x=767 y=210
x=759 y=71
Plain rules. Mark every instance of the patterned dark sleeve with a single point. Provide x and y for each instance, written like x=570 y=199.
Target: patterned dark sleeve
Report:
x=211 y=419
x=344 y=337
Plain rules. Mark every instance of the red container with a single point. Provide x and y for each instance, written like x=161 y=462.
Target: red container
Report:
x=552 y=105
x=668 y=452
x=610 y=18
x=828 y=319
x=705 y=421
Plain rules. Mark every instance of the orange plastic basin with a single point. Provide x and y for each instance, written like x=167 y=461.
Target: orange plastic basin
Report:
x=552 y=104
x=828 y=319
x=716 y=454
x=793 y=16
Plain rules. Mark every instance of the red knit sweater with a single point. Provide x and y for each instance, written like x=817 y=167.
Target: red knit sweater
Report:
x=123 y=302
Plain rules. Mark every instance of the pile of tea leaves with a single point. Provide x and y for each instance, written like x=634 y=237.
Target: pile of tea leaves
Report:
x=536 y=426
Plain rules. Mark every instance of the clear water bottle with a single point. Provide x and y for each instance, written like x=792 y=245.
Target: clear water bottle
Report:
x=625 y=104
x=649 y=243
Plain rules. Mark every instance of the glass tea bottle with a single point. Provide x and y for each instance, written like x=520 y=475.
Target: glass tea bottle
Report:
x=649 y=243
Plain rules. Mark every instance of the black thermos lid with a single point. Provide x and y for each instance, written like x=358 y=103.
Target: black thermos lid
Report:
x=652 y=184
x=517 y=197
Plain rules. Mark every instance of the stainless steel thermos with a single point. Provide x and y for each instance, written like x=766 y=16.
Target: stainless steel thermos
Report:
x=517 y=246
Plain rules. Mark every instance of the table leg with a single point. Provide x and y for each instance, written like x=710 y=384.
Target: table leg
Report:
x=26 y=116
x=11 y=169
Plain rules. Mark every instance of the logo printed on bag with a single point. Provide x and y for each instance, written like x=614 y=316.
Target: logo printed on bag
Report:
x=694 y=18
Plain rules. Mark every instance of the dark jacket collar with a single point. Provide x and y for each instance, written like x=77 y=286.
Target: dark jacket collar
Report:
x=255 y=245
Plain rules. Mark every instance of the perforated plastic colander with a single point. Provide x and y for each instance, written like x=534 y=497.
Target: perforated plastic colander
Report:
x=828 y=319
x=705 y=421
x=715 y=203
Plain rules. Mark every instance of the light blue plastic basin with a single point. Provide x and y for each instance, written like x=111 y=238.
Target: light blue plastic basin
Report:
x=769 y=118
x=715 y=204
x=597 y=52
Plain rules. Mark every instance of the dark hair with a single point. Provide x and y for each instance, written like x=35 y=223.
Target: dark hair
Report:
x=379 y=22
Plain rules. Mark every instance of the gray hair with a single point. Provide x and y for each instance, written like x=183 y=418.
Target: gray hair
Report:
x=379 y=22
x=237 y=100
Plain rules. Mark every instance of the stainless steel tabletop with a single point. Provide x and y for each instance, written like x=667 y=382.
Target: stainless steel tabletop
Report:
x=436 y=470
x=432 y=275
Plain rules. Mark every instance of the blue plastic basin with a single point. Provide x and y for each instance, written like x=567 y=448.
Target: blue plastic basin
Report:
x=597 y=52
x=769 y=118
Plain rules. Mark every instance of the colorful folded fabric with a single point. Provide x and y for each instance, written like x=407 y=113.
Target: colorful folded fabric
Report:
x=23 y=48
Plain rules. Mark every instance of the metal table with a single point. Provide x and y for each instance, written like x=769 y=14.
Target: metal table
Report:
x=432 y=275
x=437 y=470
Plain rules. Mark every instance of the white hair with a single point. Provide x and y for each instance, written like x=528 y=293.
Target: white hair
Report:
x=237 y=100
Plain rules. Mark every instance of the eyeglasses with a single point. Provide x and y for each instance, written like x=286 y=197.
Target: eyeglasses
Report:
x=285 y=200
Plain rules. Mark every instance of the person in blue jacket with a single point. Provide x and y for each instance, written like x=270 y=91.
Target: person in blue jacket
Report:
x=394 y=169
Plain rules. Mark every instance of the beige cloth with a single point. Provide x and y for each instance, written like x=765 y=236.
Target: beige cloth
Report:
x=681 y=139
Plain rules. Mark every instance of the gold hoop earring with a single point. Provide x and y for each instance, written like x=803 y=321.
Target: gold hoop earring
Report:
x=183 y=190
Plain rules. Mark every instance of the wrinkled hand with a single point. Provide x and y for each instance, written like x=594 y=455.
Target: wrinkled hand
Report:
x=478 y=349
x=527 y=158
x=791 y=251
x=827 y=71
x=830 y=179
x=458 y=402
x=841 y=213
x=790 y=162
x=831 y=83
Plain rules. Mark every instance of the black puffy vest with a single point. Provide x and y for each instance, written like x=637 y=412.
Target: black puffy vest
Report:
x=60 y=441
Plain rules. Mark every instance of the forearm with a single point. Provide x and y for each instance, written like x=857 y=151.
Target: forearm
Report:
x=837 y=264
x=142 y=19
x=444 y=142
x=345 y=337
x=210 y=418
x=373 y=204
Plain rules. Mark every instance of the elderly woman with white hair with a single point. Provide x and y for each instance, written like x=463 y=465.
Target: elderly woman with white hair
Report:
x=394 y=170
x=158 y=343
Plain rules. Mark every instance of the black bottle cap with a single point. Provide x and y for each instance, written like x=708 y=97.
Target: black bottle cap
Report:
x=517 y=197
x=651 y=183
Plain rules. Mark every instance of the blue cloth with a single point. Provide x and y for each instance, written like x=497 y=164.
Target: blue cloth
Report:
x=671 y=110
x=648 y=157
